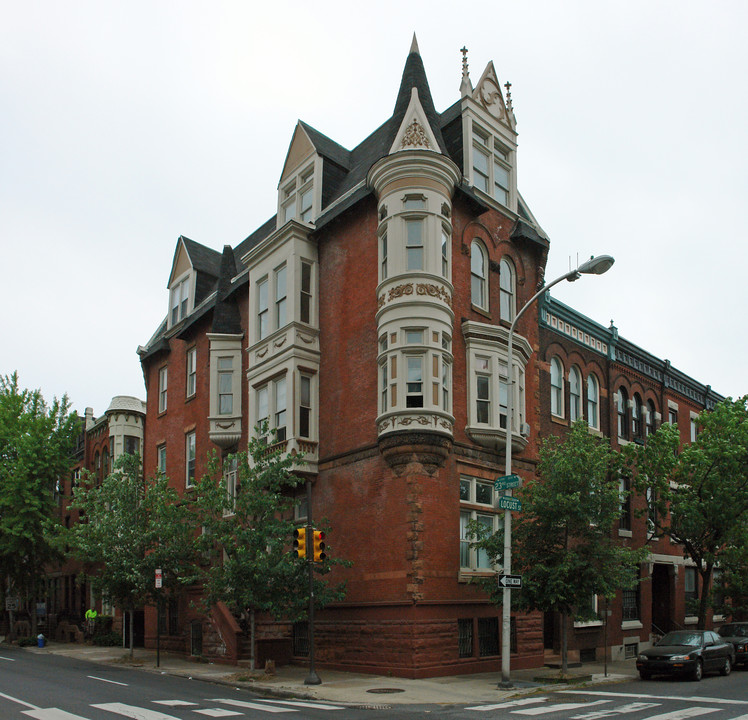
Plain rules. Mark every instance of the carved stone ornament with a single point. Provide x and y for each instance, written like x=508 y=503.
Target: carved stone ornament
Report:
x=490 y=98
x=399 y=291
x=436 y=291
x=415 y=136
x=446 y=210
x=382 y=212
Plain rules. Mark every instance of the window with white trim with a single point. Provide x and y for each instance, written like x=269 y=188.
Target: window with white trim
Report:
x=180 y=300
x=305 y=293
x=637 y=417
x=506 y=290
x=575 y=394
x=491 y=165
x=263 y=319
x=297 y=197
x=230 y=475
x=478 y=275
x=191 y=372
x=445 y=252
x=651 y=413
x=414 y=239
x=557 y=388
x=383 y=256
x=414 y=383
x=190 y=455
x=280 y=297
x=161 y=459
x=163 y=379
x=272 y=407
x=477 y=504
x=622 y=405
x=305 y=406
x=226 y=385
x=593 y=401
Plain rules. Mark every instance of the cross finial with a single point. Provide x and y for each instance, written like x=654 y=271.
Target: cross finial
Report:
x=508 y=87
x=466 y=86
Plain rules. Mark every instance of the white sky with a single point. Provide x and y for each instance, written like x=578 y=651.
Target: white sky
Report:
x=126 y=124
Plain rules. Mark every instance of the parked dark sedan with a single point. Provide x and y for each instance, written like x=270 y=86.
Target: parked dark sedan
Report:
x=687 y=652
x=737 y=634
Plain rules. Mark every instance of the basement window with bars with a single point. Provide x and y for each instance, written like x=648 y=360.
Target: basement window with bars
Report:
x=465 y=637
x=301 y=639
x=488 y=636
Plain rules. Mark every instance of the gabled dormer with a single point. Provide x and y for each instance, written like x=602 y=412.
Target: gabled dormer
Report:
x=489 y=138
x=300 y=186
x=194 y=273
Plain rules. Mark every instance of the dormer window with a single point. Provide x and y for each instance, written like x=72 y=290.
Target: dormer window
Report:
x=491 y=166
x=297 y=197
x=180 y=297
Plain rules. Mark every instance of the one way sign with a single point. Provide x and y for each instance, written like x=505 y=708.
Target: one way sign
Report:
x=510 y=581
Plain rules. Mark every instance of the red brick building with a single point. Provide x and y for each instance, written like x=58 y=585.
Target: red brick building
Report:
x=367 y=322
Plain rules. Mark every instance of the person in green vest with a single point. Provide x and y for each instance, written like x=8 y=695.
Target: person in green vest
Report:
x=91 y=616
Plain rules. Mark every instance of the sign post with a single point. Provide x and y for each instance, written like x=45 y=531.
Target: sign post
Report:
x=159 y=584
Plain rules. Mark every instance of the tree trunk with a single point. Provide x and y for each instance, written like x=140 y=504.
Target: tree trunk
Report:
x=32 y=613
x=252 y=640
x=706 y=577
x=132 y=633
x=564 y=645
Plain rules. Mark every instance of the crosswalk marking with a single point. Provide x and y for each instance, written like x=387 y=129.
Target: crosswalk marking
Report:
x=556 y=708
x=173 y=703
x=249 y=705
x=131 y=711
x=622 y=710
x=696 y=698
x=51 y=714
x=114 y=682
x=218 y=712
x=683 y=714
x=298 y=703
x=507 y=704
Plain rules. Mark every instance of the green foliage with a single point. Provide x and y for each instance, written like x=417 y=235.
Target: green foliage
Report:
x=36 y=443
x=730 y=592
x=700 y=495
x=130 y=527
x=563 y=543
x=27 y=642
x=248 y=538
x=109 y=639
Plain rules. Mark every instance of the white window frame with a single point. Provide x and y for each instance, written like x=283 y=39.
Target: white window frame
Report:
x=163 y=386
x=191 y=388
x=230 y=476
x=497 y=159
x=297 y=201
x=507 y=289
x=575 y=394
x=593 y=404
x=272 y=397
x=225 y=373
x=190 y=457
x=306 y=404
x=280 y=287
x=161 y=458
x=179 y=300
x=472 y=509
x=478 y=276
x=415 y=246
x=306 y=293
x=263 y=308
x=445 y=251
x=557 y=387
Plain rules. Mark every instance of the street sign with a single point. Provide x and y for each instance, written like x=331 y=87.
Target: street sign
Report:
x=507 y=482
x=509 y=503
x=12 y=602
x=159 y=578
x=510 y=581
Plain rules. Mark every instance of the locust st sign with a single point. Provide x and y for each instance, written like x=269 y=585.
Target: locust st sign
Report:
x=510 y=581
x=509 y=503
x=506 y=482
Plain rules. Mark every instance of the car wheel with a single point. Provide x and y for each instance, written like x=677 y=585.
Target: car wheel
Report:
x=644 y=675
x=727 y=667
x=698 y=671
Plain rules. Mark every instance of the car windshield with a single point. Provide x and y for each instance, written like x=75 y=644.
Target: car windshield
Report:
x=734 y=631
x=682 y=637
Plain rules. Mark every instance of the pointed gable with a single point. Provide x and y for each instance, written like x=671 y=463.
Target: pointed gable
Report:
x=415 y=133
x=300 y=151
x=488 y=95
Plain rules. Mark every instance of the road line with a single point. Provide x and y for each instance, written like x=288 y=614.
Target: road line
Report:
x=137 y=713
x=508 y=704
x=558 y=708
x=683 y=714
x=174 y=703
x=682 y=698
x=622 y=710
x=298 y=703
x=52 y=714
x=20 y=702
x=218 y=712
x=114 y=682
x=249 y=705
x=8 y=659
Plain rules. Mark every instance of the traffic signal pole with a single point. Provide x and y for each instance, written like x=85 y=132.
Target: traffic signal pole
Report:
x=313 y=678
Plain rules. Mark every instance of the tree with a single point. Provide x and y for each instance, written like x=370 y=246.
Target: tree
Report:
x=248 y=535
x=699 y=498
x=129 y=527
x=36 y=444
x=730 y=583
x=563 y=539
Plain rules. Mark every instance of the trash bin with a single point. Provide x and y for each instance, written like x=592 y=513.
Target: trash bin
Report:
x=40 y=640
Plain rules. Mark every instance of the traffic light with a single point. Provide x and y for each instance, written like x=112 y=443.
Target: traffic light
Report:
x=299 y=542
x=319 y=546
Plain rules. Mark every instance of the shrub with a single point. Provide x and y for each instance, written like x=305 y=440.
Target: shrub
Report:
x=110 y=639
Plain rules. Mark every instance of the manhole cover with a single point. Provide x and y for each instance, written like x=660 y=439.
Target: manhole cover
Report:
x=385 y=691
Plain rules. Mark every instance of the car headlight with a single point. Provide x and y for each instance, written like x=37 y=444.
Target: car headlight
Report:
x=742 y=648
x=643 y=657
x=680 y=658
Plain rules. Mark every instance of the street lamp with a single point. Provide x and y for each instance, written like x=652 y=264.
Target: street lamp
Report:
x=594 y=266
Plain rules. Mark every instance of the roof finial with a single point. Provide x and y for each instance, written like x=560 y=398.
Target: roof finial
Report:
x=466 y=87
x=508 y=87
x=414 y=46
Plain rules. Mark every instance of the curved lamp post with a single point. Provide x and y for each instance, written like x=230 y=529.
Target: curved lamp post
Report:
x=594 y=266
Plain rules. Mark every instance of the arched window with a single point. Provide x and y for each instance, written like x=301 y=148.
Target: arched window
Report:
x=650 y=417
x=622 y=410
x=106 y=469
x=557 y=388
x=593 y=402
x=575 y=394
x=637 y=413
x=506 y=290
x=478 y=277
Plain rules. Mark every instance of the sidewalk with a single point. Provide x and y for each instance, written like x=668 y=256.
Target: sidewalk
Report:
x=348 y=688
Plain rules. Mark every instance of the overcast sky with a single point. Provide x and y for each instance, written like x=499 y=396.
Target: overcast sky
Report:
x=126 y=124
